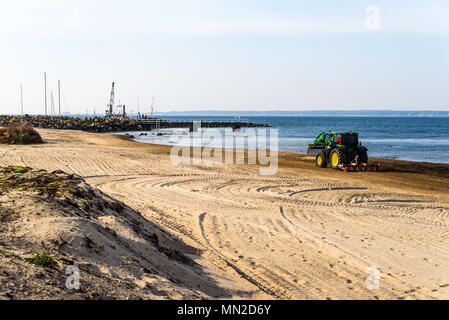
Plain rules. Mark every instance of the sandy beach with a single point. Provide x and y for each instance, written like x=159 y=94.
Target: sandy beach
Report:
x=304 y=233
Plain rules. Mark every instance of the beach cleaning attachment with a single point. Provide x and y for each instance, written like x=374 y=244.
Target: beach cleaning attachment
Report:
x=342 y=151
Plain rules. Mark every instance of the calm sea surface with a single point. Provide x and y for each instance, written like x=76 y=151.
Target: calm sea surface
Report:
x=406 y=138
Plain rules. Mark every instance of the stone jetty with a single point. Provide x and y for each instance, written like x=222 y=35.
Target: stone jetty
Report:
x=112 y=124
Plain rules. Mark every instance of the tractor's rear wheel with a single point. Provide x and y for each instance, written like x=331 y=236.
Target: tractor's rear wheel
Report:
x=337 y=157
x=363 y=155
x=321 y=160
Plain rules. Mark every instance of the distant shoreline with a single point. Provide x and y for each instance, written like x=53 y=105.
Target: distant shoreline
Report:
x=305 y=113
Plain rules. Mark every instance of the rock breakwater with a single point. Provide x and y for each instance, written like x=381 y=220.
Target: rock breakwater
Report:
x=110 y=124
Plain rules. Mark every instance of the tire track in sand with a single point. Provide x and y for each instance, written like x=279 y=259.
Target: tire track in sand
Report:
x=231 y=265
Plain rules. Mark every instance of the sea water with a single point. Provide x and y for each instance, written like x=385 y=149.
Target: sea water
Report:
x=406 y=138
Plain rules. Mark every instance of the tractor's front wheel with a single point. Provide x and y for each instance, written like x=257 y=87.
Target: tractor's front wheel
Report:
x=337 y=157
x=321 y=160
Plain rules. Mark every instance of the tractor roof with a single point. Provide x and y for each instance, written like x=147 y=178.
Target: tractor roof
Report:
x=341 y=132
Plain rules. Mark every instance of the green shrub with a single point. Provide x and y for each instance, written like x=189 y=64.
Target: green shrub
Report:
x=21 y=170
x=42 y=260
x=7 y=252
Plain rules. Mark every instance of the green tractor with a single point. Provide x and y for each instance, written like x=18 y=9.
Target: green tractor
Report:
x=339 y=149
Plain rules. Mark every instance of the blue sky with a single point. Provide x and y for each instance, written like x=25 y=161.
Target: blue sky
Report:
x=226 y=55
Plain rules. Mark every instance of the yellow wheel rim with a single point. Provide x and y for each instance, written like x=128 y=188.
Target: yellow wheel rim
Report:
x=335 y=159
x=319 y=160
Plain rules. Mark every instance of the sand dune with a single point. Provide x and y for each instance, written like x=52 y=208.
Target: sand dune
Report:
x=304 y=233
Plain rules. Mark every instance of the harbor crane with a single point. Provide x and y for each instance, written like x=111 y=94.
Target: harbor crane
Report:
x=110 y=110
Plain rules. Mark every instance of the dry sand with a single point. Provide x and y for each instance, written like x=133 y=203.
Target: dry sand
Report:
x=304 y=233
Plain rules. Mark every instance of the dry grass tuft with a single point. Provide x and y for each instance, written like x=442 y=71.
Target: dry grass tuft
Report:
x=19 y=134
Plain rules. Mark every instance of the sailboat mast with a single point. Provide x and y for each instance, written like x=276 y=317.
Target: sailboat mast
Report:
x=45 y=93
x=21 y=99
x=152 y=107
x=52 y=104
x=59 y=96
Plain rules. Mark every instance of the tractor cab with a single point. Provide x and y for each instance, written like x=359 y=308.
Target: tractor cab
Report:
x=345 y=138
